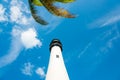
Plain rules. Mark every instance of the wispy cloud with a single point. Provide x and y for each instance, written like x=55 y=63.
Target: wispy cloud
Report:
x=105 y=40
x=18 y=11
x=14 y=50
x=108 y=19
x=3 y=16
x=111 y=36
x=103 y=43
x=40 y=71
x=84 y=50
x=6 y=0
x=27 y=69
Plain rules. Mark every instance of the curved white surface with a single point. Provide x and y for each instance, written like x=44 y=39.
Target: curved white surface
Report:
x=56 y=68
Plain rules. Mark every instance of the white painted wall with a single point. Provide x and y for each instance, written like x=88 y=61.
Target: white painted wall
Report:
x=56 y=67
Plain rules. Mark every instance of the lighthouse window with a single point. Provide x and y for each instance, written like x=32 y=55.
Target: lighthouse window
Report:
x=57 y=56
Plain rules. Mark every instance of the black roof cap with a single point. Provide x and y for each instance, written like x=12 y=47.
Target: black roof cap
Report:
x=55 y=42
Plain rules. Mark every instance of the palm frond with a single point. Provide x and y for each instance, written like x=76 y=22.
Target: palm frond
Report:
x=55 y=10
x=65 y=1
x=34 y=14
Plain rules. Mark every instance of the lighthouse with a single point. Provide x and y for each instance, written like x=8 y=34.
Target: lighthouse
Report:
x=56 y=67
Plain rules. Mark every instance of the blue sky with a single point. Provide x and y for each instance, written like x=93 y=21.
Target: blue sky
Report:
x=91 y=41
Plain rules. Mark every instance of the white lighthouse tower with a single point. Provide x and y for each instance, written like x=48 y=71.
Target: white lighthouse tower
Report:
x=56 y=67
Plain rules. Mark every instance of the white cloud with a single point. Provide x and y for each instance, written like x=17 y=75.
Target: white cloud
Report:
x=21 y=5
x=29 y=38
x=28 y=69
x=40 y=71
x=16 y=32
x=17 y=13
x=3 y=17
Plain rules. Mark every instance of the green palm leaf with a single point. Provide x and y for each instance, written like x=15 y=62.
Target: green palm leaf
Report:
x=65 y=1
x=34 y=14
